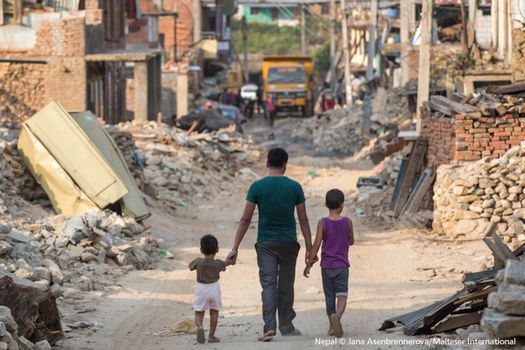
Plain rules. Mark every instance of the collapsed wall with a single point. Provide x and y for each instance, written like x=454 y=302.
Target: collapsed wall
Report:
x=469 y=197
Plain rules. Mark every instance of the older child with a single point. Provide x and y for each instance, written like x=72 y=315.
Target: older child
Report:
x=207 y=291
x=334 y=235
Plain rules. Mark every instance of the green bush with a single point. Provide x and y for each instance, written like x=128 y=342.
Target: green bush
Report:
x=321 y=58
x=268 y=39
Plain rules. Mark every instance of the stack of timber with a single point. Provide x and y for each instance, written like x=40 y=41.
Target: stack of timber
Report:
x=413 y=184
x=463 y=308
x=498 y=103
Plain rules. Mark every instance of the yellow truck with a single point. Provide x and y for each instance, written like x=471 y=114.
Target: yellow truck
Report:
x=288 y=84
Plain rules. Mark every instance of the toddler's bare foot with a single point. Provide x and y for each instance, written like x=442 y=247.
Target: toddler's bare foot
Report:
x=213 y=339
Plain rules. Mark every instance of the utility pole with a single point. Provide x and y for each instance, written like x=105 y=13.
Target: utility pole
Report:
x=372 y=40
x=197 y=20
x=332 y=45
x=346 y=53
x=424 y=59
x=244 y=29
x=405 y=9
x=303 y=29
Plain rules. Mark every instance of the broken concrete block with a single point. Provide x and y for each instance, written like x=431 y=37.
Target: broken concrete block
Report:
x=5 y=248
x=7 y=319
x=499 y=325
x=514 y=272
x=75 y=229
x=3 y=329
x=42 y=345
x=509 y=299
x=57 y=276
x=5 y=228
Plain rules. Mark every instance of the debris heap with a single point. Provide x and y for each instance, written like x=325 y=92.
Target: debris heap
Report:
x=505 y=316
x=75 y=252
x=468 y=197
x=335 y=131
x=180 y=167
x=9 y=338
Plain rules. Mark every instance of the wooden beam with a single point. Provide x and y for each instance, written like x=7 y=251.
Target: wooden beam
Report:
x=371 y=52
x=1 y=12
x=455 y=322
x=333 y=75
x=424 y=59
x=405 y=9
x=346 y=54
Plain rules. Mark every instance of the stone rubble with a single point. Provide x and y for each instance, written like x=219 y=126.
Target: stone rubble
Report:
x=505 y=315
x=335 y=131
x=471 y=196
x=76 y=252
x=9 y=340
x=179 y=168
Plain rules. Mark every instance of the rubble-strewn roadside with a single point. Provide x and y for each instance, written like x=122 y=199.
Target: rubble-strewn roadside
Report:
x=177 y=167
x=469 y=197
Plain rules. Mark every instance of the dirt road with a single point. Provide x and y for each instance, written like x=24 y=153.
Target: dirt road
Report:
x=392 y=271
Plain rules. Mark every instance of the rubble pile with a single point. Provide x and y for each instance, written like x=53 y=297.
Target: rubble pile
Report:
x=181 y=167
x=126 y=145
x=471 y=196
x=77 y=251
x=335 y=131
x=374 y=200
x=9 y=339
x=505 y=315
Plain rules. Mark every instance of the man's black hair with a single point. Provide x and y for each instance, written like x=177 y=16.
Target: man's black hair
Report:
x=277 y=157
x=209 y=244
x=334 y=198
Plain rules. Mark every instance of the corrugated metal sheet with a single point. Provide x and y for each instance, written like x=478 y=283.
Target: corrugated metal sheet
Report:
x=63 y=5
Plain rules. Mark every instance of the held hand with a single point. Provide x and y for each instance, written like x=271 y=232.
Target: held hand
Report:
x=232 y=257
x=307 y=257
x=306 y=271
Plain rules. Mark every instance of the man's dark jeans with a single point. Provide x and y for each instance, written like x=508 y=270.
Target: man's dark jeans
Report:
x=276 y=261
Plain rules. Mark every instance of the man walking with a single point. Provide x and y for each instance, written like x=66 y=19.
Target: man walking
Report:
x=277 y=197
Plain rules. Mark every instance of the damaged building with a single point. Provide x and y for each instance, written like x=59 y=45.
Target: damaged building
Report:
x=74 y=53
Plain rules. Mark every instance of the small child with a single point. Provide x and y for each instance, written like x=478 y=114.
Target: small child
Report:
x=208 y=291
x=336 y=234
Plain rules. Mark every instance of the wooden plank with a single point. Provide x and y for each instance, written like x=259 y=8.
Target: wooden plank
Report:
x=399 y=181
x=482 y=294
x=439 y=311
x=455 y=106
x=475 y=277
x=423 y=185
x=502 y=246
x=415 y=162
x=455 y=322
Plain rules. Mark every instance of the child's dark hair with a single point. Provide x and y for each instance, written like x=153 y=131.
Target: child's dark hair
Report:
x=209 y=244
x=334 y=198
x=277 y=157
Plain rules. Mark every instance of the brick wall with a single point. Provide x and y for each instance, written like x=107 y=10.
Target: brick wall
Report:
x=184 y=26
x=463 y=138
x=29 y=87
x=439 y=131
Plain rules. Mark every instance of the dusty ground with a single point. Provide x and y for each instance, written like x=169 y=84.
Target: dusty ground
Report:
x=393 y=271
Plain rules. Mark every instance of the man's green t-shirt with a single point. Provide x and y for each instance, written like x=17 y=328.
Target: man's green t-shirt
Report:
x=276 y=198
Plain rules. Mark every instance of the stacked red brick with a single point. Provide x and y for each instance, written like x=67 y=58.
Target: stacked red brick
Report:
x=470 y=137
x=439 y=131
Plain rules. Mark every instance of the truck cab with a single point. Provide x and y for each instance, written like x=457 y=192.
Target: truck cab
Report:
x=288 y=84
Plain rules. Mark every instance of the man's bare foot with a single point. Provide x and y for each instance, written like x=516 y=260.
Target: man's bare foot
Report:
x=266 y=337
x=213 y=339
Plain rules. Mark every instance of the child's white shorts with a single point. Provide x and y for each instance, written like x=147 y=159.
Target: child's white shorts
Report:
x=207 y=296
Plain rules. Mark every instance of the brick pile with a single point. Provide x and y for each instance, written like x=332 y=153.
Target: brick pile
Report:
x=489 y=131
